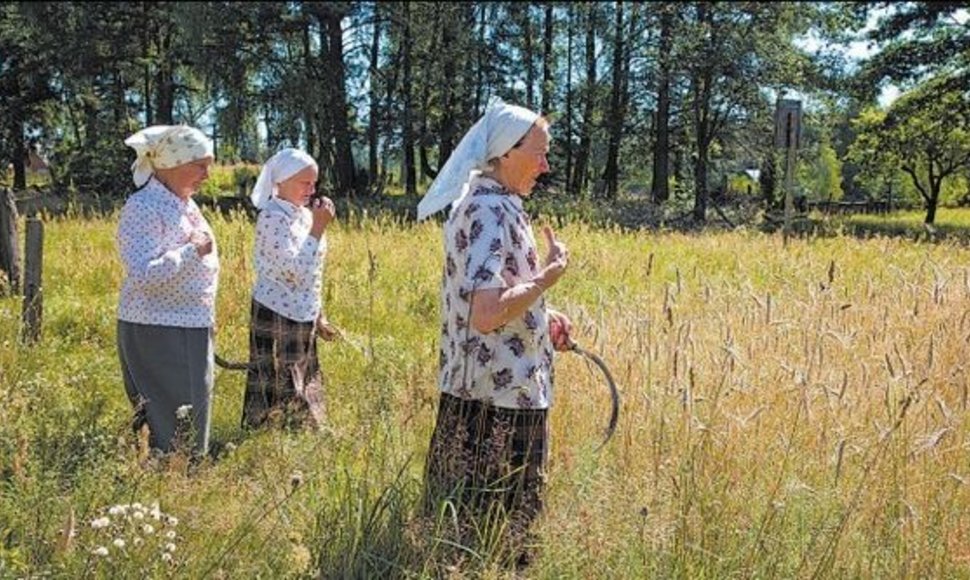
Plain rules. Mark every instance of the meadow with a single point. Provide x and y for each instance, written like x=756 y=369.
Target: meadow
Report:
x=793 y=411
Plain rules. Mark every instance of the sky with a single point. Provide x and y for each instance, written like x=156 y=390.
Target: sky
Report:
x=858 y=50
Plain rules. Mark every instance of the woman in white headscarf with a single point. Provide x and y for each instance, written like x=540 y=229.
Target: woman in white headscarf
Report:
x=167 y=305
x=489 y=447
x=284 y=382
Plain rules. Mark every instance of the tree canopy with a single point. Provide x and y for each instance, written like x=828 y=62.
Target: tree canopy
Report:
x=663 y=99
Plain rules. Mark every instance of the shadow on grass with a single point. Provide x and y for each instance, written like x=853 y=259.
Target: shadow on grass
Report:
x=625 y=213
x=875 y=227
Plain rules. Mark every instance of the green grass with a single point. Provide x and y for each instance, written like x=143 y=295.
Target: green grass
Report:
x=761 y=386
x=950 y=223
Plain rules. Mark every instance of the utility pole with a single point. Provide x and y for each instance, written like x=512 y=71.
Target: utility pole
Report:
x=788 y=122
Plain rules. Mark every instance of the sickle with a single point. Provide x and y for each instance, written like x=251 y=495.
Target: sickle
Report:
x=614 y=393
x=241 y=366
x=231 y=366
x=573 y=347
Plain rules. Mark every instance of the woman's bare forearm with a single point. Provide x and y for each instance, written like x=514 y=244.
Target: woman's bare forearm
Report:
x=491 y=309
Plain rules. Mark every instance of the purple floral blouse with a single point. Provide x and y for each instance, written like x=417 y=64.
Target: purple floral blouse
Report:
x=489 y=244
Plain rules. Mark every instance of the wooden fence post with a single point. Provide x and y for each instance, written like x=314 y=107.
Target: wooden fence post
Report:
x=9 y=246
x=33 y=273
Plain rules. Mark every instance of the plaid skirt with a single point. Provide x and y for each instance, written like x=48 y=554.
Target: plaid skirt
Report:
x=490 y=462
x=284 y=385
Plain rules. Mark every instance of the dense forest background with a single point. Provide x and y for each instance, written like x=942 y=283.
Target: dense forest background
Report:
x=664 y=102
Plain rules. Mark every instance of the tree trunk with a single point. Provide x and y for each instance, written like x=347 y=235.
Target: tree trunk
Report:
x=530 y=79
x=930 y=193
x=480 y=68
x=164 y=80
x=936 y=184
x=313 y=147
x=702 y=80
x=448 y=129
x=120 y=104
x=700 y=178
x=344 y=171
x=766 y=180
x=547 y=56
x=585 y=141
x=147 y=69
x=612 y=169
x=424 y=139
x=19 y=153
x=930 y=213
x=569 y=99
x=390 y=91
x=323 y=112
x=408 y=174
x=374 y=112
x=660 y=188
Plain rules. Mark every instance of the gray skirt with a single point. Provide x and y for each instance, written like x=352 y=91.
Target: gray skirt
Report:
x=164 y=368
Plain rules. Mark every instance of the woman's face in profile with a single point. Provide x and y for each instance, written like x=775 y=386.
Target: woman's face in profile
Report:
x=298 y=188
x=523 y=164
x=184 y=180
x=196 y=172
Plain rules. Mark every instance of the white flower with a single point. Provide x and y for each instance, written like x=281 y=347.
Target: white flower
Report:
x=138 y=515
x=137 y=541
x=136 y=506
x=115 y=510
x=166 y=557
x=119 y=543
x=170 y=534
x=183 y=412
x=170 y=547
x=173 y=521
x=148 y=529
x=156 y=513
x=100 y=523
x=100 y=551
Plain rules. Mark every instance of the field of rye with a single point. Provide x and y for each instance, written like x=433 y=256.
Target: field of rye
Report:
x=787 y=412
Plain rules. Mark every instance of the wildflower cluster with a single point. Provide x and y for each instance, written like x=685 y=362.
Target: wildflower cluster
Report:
x=134 y=532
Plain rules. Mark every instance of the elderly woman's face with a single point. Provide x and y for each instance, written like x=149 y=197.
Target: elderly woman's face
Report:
x=185 y=180
x=522 y=165
x=298 y=188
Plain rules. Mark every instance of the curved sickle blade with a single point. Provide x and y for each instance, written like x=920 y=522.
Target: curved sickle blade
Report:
x=230 y=365
x=614 y=393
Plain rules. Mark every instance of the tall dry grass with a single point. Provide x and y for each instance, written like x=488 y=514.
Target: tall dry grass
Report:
x=796 y=412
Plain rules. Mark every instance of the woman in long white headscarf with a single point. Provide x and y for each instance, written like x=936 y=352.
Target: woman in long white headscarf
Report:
x=284 y=382
x=167 y=306
x=489 y=447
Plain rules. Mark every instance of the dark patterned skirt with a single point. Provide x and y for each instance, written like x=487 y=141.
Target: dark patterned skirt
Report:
x=284 y=385
x=490 y=463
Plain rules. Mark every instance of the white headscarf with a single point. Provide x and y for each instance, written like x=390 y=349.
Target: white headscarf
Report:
x=164 y=147
x=492 y=136
x=279 y=168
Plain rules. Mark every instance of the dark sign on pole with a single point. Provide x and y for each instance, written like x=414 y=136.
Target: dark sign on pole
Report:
x=788 y=123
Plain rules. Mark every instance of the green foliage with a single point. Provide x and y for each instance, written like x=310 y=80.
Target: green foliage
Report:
x=742 y=184
x=822 y=176
x=920 y=40
x=928 y=139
